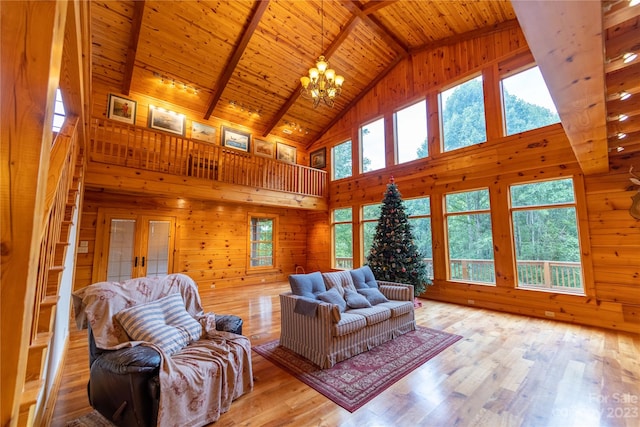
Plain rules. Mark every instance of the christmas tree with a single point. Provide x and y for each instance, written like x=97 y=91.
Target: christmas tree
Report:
x=394 y=256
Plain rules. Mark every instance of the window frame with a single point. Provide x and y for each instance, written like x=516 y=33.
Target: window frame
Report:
x=334 y=263
x=364 y=221
x=361 y=144
x=428 y=216
x=274 y=242
x=333 y=159
x=396 y=139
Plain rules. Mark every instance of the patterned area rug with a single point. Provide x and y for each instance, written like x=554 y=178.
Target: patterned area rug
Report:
x=357 y=380
x=92 y=419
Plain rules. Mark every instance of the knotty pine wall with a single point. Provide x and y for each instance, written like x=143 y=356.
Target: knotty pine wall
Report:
x=211 y=237
x=610 y=237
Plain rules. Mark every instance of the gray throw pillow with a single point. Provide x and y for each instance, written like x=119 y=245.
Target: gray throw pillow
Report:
x=355 y=300
x=363 y=278
x=332 y=296
x=374 y=296
x=307 y=285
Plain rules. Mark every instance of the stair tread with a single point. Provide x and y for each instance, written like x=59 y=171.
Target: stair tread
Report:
x=30 y=392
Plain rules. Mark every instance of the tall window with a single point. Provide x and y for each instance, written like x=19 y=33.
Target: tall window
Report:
x=262 y=241
x=470 y=242
x=411 y=132
x=372 y=144
x=526 y=101
x=341 y=160
x=341 y=220
x=419 y=213
x=546 y=236
x=462 y=115
x=370 y=217
x=58 y=112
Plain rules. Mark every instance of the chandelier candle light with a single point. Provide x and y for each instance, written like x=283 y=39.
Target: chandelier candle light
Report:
x=322 y=84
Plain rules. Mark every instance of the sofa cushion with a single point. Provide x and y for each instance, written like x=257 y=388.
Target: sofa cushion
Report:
x=374 y=296
x=363 y=278
x=398 y=308
x=348 y=323
x=308 y=285
x=340 y=280
x=355 y=300
x=332 y=296
x=373 y=315
x=164 y=322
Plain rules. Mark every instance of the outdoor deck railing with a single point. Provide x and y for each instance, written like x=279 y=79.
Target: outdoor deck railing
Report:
x=551 y=275
x=139 y=147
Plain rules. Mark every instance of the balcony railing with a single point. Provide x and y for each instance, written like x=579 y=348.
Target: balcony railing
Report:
x=550 y=275
x=142 y=148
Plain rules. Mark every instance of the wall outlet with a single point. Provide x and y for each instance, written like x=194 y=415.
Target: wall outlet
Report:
x=549 y=314
x=470 y=301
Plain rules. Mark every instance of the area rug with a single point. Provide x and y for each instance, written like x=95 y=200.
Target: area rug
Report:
x=92 y=419
x=357 y=380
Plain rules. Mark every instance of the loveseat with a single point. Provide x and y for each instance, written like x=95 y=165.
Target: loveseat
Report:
x=156 y=358
x=330 y=317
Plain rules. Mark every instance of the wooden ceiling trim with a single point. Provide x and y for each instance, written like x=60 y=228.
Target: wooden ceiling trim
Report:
x=132 y=48
x=296 y=93
x=375 y=6
x=622 y=14
x=572 y=70
x=216 y=92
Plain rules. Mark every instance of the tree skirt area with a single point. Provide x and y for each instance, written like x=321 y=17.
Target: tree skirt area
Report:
x=357 y=380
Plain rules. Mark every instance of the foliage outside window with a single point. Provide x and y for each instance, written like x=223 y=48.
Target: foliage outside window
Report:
x=372 y=144
x=341 y=160
x=462 y=115
x=419 y=213
x=342 y=225
x=546 y=236
x=370 y=215
x=261 y=242
x=526 y=101
x=469 y=237
x=411 y=132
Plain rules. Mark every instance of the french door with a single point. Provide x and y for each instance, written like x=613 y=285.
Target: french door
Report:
x=133 y=245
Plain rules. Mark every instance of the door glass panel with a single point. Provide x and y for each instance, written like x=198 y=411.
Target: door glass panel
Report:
x=121 y=257
x=157 y=261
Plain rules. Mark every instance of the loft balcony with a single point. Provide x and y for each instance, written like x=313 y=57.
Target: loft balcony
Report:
x=138 y=160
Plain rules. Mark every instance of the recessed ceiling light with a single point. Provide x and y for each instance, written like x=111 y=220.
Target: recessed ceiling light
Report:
x=634 y=3
x=619 y=149
x=628 y=57
x=621 y=135
x=622 y=117
x=624 y=96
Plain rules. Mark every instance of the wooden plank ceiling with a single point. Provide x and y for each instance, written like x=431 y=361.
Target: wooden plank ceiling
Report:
x=245 y=58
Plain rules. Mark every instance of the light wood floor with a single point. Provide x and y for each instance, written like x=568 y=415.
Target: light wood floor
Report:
x=508 y=370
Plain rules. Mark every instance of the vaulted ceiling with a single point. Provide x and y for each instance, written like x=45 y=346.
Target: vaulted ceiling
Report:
x=244 y=58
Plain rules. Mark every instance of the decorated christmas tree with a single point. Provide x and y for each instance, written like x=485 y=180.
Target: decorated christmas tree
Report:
x=394 y=256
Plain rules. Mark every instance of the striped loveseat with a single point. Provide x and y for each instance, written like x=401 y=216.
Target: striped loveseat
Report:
x=330 y=317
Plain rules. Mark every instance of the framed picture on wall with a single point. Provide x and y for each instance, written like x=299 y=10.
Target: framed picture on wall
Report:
x=264 y=148
x=235 y=139
x=203 y=132
x=318 y=158
x=168 y=121
x=286 y=153
x=122 y=109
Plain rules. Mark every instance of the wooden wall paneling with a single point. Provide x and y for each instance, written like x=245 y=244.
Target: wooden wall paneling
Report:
x=503 y=250
x=493 y=102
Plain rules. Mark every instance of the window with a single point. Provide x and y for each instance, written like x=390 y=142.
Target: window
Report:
x=469 y=238
x=462 y=115
x=419 y=213
x=341 y=160
x=372 y=143
x=341 y=221
x=546 y=237
x=58 y=112
x=526 y=102
x=262 y=241
x=411 y=132
x=370 y=216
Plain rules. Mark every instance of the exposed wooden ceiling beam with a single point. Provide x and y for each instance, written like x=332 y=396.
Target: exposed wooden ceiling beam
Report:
x=569 y=53
x=621 y=14
x=355 y=8
x=375 y=6
x=296 y=93
x=259 y=9
x=132 y=47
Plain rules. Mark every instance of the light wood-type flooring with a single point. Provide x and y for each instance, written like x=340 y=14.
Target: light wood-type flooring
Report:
x=508 y=370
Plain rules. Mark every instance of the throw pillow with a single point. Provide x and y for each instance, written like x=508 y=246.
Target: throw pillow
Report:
x=340 y=280
x=307 y=285
x=164 y=322
x=332 y=296
x=355 y=300
x=374 y=296
x=363 y=278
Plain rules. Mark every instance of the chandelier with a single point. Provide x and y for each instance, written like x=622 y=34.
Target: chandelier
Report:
x=322 y=83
